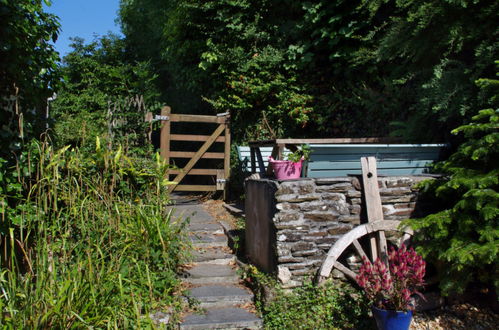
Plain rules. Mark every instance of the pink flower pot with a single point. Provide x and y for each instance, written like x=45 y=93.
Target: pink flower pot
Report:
x=285 y=169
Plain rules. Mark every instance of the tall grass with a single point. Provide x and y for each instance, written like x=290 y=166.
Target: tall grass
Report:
x=89 y=243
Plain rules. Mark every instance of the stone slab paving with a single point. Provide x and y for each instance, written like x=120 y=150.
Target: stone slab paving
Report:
x=220 y=296
x=216 y=255
x=222 y=318
x=214 y=278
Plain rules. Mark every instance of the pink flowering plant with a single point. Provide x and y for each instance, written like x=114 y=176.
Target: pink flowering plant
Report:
x=391 y=286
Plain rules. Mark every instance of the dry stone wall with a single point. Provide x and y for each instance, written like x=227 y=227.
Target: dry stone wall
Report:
x=310 y=215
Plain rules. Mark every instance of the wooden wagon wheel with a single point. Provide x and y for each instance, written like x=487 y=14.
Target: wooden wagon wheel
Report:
x=375 y=229
x=351 y=241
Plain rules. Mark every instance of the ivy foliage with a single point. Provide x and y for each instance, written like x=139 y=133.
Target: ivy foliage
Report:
x=28 y=70
x=464 y=236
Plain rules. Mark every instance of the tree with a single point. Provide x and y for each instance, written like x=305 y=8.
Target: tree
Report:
x=464 y=235
x=28 y=70
x=97 y=76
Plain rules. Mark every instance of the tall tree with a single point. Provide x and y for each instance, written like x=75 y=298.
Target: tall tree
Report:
x=28 y=69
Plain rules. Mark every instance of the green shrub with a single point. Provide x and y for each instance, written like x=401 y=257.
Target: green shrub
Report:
x=331 y=306
x=464 y=236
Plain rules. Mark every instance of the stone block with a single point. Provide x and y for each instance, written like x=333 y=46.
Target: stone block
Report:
x=339 y=229
x=298 y=225
x=354 y=209
x=395 y=191
x=294 y=198
x=398 y=182
x=296 y=187
x=312 y=206
x=404 y=205
x=330 y=181
x=289 y=259
x=321 y=216
x=283 y=274
x=355 y=201
x=304 y=271
x=398 y=199
x=354 y=194
x=337 y=187
x=353 y=219
x=287 y=216
x=306 y=253
x=301 y=246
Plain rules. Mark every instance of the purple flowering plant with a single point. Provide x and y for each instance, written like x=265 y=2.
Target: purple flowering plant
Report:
x=391 y=286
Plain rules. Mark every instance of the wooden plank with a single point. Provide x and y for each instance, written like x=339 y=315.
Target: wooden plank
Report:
x=196 y=171
x=262 y=143
x=372 y=196
x=380 y=157
x=220 y=180
x=191 y=137
x=165 y=135
x=338 y=165
x=261 y=165
x=197 y=119
x=184 y=187
x=190 y=154
x=390 y=172
x=226 y=155
x=253 y=160
x=198 y=156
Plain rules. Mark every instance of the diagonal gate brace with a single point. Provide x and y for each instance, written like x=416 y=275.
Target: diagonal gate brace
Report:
x=197 y=156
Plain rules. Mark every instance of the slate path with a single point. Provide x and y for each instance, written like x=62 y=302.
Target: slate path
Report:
x=213 y=278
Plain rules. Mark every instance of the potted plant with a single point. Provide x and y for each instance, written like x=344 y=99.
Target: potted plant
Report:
x=291 y=167
x=390 y=286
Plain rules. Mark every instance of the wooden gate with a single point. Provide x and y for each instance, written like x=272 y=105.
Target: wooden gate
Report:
x=221 y=135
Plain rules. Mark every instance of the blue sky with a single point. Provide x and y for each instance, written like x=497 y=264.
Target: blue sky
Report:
x=83 y=18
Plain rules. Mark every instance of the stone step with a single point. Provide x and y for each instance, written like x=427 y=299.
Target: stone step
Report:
x=210 y=274
x=210 y=296
x=205 y=240
x=217 y=256
x=213 y=228
x=222 y=318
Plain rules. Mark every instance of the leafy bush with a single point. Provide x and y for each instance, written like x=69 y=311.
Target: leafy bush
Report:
x=464 y=236
x=331 y=306
x=89 y=243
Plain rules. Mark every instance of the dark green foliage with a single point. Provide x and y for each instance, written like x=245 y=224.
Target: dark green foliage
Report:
x=464 y=236
x=331 y=306
x=100 y=79
x=28 y=70
x=320 y=68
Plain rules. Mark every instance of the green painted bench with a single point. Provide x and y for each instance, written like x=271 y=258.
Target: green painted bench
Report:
x=244 y=154
x=333 y=160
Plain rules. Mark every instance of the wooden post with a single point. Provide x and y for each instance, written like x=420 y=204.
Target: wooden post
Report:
x=165 y=135
x=373 y=202
x=227 y=154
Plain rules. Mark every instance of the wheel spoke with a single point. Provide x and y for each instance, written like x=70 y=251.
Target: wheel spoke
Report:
x=359 y=249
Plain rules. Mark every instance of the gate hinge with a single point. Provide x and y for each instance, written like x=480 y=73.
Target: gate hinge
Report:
x=221 y=180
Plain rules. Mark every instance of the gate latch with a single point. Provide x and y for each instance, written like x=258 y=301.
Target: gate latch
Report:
x=221 y=180
x=159 y=117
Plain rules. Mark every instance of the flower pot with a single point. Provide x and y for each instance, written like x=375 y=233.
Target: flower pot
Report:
x=392 y=320
x=285 y=169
